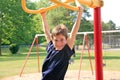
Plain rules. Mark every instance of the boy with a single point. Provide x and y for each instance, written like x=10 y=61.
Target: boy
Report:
x=59 y=48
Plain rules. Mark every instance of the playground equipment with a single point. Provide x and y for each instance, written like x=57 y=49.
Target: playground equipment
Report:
x=96 y=4
x=37 y=50
x=85 y=40
x=90 y=3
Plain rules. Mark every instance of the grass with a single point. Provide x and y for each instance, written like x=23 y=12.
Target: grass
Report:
x=12 y=64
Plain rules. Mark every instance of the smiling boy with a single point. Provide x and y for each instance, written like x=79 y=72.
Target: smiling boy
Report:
x=59 y=48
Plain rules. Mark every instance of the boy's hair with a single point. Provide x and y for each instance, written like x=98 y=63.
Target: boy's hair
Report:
x=60 y=29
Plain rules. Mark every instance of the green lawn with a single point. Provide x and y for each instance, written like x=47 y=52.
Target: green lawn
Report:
x=12 y=64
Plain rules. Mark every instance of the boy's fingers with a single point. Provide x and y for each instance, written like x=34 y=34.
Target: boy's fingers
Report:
x=80 y=8
x=43 y=12
x=79 y=5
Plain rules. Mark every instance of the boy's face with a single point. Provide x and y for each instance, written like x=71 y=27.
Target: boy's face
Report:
x=59 y=41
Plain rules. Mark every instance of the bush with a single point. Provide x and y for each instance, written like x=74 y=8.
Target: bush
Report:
x=13 y=48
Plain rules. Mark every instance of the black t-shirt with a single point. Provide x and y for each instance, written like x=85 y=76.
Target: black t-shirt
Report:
x=56 y=62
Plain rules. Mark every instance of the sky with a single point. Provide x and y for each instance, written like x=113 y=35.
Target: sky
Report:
x=111 y=11
x=108 y=12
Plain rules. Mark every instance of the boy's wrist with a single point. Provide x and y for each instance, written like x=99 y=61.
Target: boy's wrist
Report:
x=80 y=8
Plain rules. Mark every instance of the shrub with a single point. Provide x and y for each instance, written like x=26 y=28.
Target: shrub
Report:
x=13 y=48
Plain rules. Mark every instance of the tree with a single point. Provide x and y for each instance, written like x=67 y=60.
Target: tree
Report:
x=62 y=16
x=1 y=31
x=109 y=25
x=16 y=25
x=112 y=25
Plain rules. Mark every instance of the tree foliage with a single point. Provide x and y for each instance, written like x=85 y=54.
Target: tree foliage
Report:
x=109 y=25
x=17 y=26
x=14 y=48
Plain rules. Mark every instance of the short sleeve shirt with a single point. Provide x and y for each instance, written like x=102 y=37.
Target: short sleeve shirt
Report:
x=56 y=62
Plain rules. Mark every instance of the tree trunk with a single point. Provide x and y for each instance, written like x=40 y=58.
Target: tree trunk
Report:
x=0 y=47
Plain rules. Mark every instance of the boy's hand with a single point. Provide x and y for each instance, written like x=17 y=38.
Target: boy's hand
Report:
x=79 y=6
x=43 y=14
x=80 y=9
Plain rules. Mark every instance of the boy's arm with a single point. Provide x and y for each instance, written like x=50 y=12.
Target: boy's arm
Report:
x=46 y=28
x=75 y=28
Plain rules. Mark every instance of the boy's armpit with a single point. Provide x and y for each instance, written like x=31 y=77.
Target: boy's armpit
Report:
x=71 y=43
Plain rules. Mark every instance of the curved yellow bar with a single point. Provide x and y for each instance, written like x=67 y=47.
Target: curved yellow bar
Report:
x=97 y=3
x=87 y=2
x=64 y=5
x=90 y=3
x=36 y=11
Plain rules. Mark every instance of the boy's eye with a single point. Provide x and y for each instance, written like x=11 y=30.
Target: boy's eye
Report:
x=61 y=40
x=56 y=40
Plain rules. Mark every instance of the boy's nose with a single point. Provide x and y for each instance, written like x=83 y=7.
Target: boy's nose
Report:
x=59 y=43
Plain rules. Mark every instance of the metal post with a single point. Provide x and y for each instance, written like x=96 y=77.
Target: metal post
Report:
x=98 y=43
x=27 y=56
x=37 y=50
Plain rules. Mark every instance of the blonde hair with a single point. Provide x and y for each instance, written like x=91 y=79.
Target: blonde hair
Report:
x=60 y=29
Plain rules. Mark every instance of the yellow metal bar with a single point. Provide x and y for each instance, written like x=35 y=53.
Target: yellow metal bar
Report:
x=64 y=5
x=97 y=3
x=90 y=3
x=67 y=1
x=28 y=10
x=37 y=11
x=86 y=2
